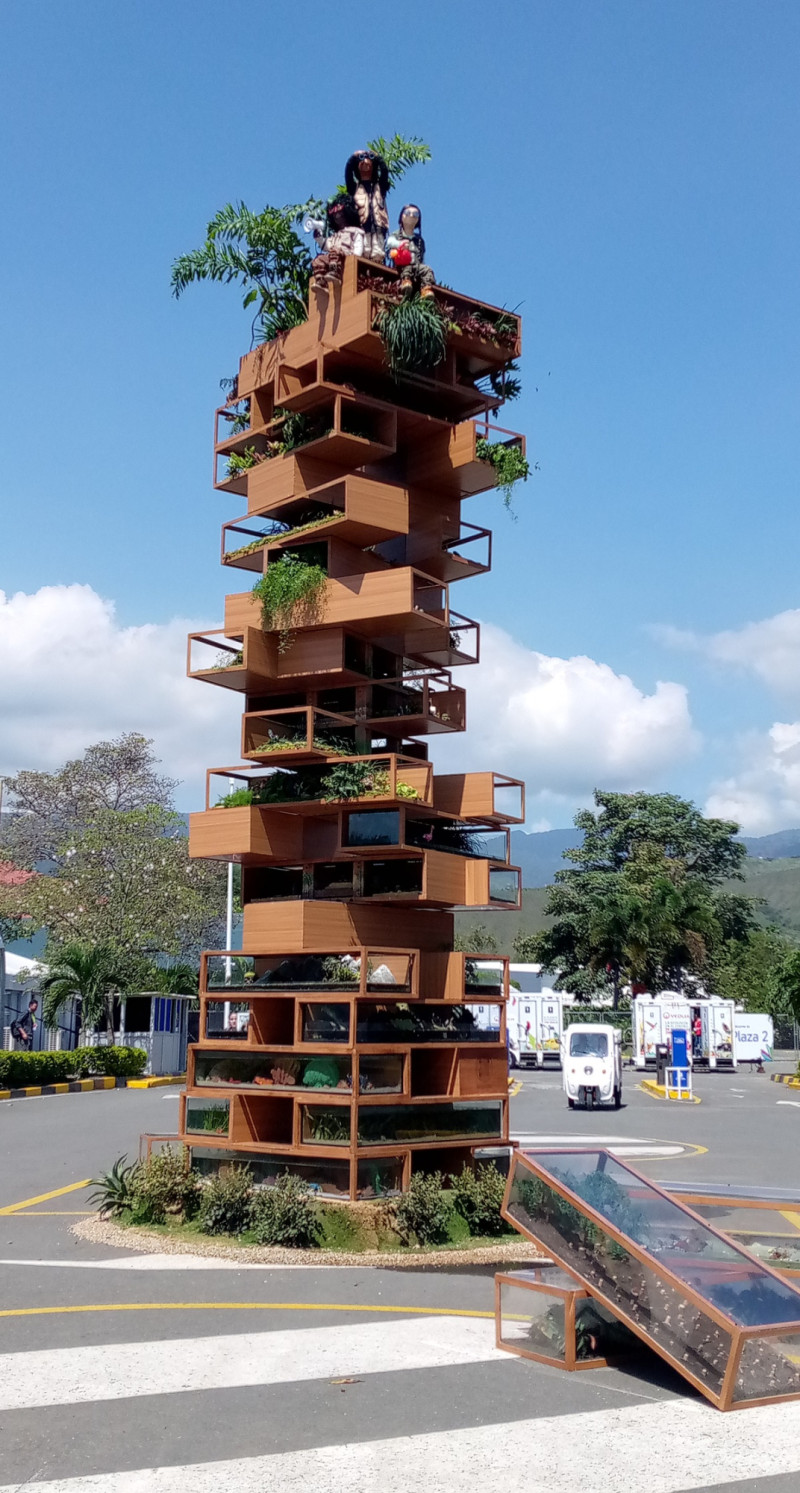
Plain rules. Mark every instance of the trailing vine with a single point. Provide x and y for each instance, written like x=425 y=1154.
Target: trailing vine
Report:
x=509 y=465
x=290 y=592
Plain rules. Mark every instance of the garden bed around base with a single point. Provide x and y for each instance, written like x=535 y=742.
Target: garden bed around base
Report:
x=182 y=1240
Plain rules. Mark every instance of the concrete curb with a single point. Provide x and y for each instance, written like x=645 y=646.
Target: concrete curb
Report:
x=76 y=1086
x=658 y=1091
x=793 y=1083
x=89 y=1085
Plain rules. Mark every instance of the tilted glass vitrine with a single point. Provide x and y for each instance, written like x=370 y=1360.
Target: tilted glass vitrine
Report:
x=727 y=1322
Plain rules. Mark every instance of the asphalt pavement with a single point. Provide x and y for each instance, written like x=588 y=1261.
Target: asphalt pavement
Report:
x=126 y=1373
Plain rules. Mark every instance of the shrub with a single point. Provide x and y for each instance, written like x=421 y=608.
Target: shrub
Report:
x=477 y=1196
x=114 y=1062
x=285 y=1215
x=164 y=1187
x=423 y=1213
x=19 y=1069
x=114 y=1190
x=226 y=1202
x=509 y=465
x=340 y=1230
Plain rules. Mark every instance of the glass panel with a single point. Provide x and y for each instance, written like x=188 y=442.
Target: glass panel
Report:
x=423 y=1122
x=325 y=1127
x=768 y=1366
x=332 y=879
x=212 y=1118
x=508 y=800
x=328 y=1178
x=733 y=1282
x=392 y=878
x=380 y=1178
x=380 y=1075
x=588 y=1045
x=372 y=828
x=410 y=1023
x=503 y=886
x=388 y=969
x=272 y=883
x=457 y=839
x=230 y=1028
x=684 y=1332
x=532 y=1321
x=482 y=977
x=310 y=972
x=326 y=1023
x=272 y=1071
x=766 y=1232
x=236 y=972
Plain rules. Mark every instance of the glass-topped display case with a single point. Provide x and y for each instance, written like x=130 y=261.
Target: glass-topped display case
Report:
x=542 y=1314
x=722 y=1318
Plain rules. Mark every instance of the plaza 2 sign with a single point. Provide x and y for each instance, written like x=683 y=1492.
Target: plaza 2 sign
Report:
x=753 y=1037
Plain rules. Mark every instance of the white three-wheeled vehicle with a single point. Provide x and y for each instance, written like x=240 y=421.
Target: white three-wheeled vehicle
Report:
x=591 y=1064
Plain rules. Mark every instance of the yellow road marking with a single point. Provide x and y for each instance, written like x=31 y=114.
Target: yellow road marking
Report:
x=792 y=1218
x=44 y=1197
x=240 y=1306
x=78 y=1213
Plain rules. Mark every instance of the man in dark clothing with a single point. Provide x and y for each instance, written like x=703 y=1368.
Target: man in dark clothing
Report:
x=23 y=1028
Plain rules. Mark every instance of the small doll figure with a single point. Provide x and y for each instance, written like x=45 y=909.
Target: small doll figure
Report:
x=406 y=250
x=344 y=237
x=367 y=178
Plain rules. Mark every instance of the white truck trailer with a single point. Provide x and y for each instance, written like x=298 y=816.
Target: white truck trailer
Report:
x=655 y=1017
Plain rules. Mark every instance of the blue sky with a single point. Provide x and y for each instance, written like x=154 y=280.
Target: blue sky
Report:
x=625 y=173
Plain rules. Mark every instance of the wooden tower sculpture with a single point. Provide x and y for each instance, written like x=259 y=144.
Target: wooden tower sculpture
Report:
x=346 y=1042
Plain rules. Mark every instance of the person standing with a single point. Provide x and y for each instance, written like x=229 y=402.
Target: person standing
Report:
x=23 y=1028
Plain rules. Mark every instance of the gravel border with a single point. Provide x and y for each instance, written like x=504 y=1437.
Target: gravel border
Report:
x=138 y=1240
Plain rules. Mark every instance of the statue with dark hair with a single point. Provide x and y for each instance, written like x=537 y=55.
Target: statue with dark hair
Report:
x=344 y=236
x=367 y=178
x=406 y=250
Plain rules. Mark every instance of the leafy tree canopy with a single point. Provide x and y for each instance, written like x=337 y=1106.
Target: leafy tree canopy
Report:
x=623 y=823
x=264 y=253
x=121 y=874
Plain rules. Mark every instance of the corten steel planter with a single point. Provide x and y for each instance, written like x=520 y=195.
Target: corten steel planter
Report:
x=723 y=1319
x=344 y=1042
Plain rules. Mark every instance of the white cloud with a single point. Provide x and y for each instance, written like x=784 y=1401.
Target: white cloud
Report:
x=566 y=724
x=769 y=649
x=764 y=795
x=70 y=676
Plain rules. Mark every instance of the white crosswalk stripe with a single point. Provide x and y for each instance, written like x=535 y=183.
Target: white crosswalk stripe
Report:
x=683 y=1445
x=114 y=1371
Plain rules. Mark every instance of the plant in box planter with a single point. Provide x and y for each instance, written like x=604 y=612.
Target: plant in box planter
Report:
x=414 y=334
x=290 y=593
x=509 y=465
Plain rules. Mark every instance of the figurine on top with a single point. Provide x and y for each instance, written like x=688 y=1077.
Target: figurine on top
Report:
x=367 y=179
x=345 y=236
x=406 y=250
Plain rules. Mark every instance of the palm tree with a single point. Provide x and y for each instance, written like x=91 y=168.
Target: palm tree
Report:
x=89 y=974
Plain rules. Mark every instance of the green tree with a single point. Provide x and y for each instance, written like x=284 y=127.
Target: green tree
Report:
x=90 y=975
x=477 y=940
x=641 y=903
x=119 y=856
x=264 y=253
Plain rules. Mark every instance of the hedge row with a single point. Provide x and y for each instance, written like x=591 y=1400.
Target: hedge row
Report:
x=18 y=1070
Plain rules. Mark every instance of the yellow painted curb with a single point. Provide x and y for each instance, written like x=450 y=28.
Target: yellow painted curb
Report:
x=156 y=1083
x=658 y=1091
x=514 y=1087
x=792 y=1083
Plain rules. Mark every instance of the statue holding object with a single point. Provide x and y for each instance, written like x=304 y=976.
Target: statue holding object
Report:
x=367 y=179
x=345 y=236
x=406 y=250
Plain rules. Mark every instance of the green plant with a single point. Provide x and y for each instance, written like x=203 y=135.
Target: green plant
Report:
x=329 y=1125
x=266 y=255
x=291 y=594
x=241 y=461
x=405 y=790
x=477 y=1196
x=238 y=799
x=113 y=1191
x=164 y=1187
x=509 y=465
x=423 y=1213
x=226 y=1202
x=90 y=974
x=414 y=334
x=346 y=780
x=284 y=1214
x=114 y=1062
x=340 y=1230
